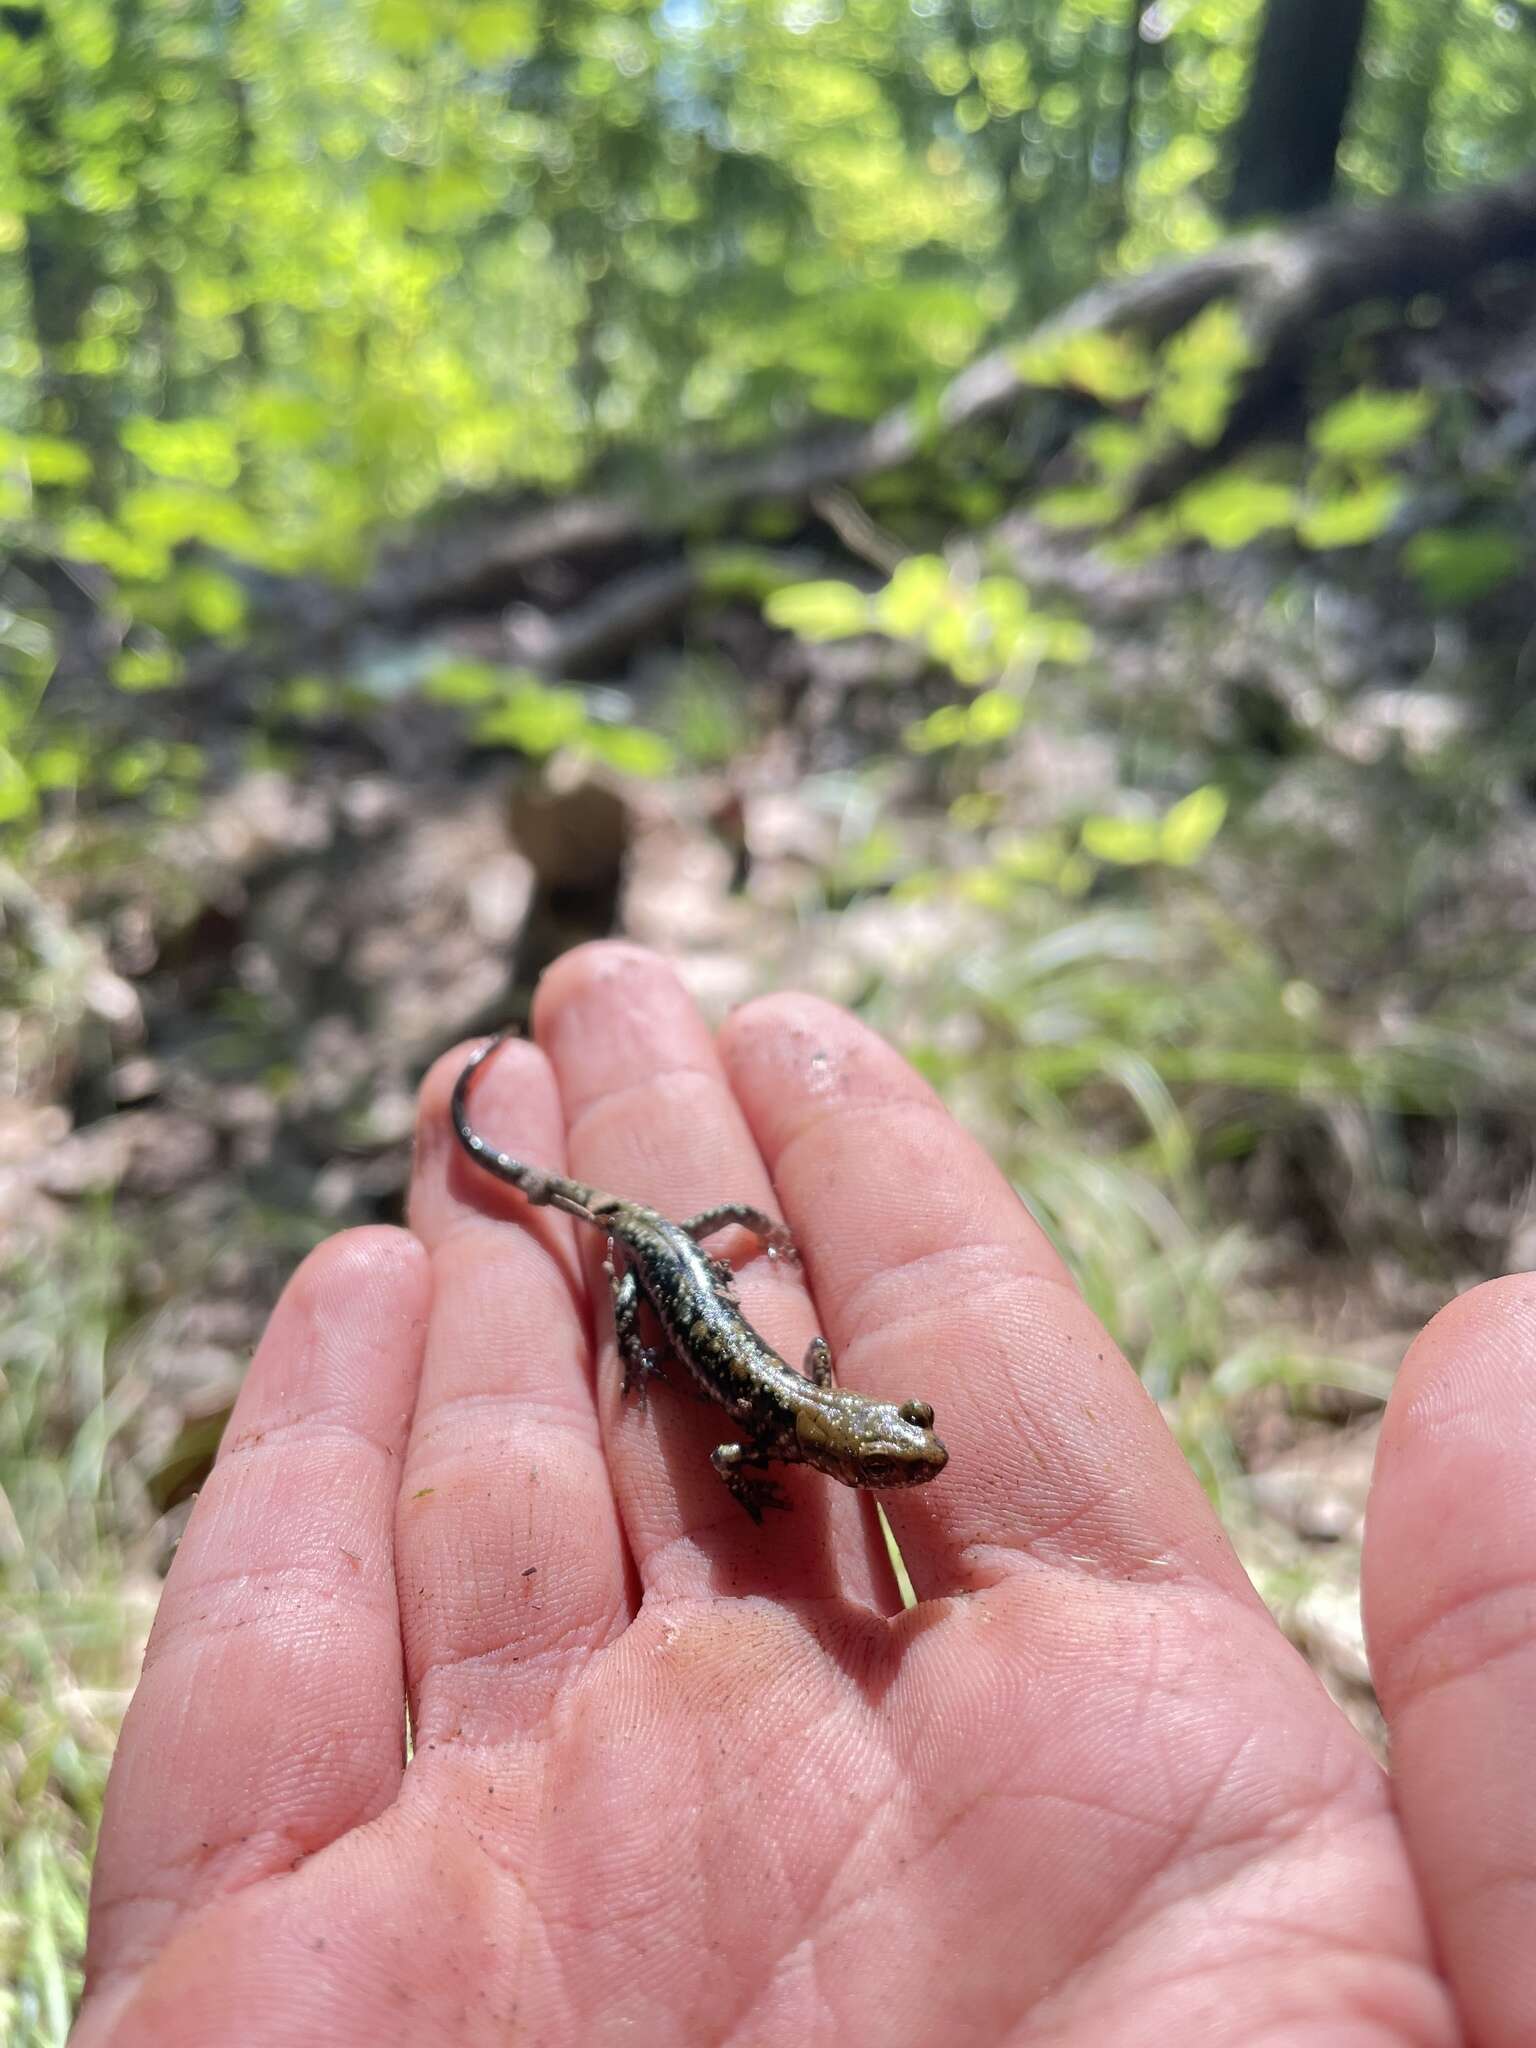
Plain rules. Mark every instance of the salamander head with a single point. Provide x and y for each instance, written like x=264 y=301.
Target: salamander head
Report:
x=870 y=1443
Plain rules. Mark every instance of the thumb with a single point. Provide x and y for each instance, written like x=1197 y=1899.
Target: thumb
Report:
x=1449 y=1588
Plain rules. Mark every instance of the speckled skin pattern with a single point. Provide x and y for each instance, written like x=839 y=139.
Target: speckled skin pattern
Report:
x=793 y=1418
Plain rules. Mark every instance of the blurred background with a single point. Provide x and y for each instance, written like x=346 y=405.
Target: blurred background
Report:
x=1015 y=514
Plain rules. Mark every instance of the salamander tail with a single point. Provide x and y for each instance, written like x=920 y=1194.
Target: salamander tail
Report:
x=546 y=1189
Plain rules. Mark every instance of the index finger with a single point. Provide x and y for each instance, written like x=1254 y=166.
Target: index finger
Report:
x=270 y=1716
x=936 y=1283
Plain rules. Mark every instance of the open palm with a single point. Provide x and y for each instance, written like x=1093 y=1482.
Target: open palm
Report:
x=680 y=1779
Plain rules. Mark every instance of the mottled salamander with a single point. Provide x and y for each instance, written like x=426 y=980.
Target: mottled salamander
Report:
x=796 y=1418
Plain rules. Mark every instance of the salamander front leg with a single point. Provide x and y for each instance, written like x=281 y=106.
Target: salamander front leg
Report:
x=641 y=1363
x=775 y=1237
x=818 y=1362
x=731 y=1461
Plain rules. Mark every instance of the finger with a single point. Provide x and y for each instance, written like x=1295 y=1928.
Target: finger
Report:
x=936 y=1283
x=512 y=1557
x=269 y=1719
x=1449 y=1588
x=650 y=1116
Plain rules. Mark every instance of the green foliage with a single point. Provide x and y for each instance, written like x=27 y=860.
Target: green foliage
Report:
x=1085 y=505
x=274 y=278
x=980 y=629
x=188 y=451
x=155 y=668
x=1235 y=506
x=1350 y=517
x=1111 y=367
x=820 y=611
x=1178 y=838
x=35 y=461
x=1199 y=377
x=514 y=708
x=27 y=659
x=1369 y=425
x=69 y=1636
x=1115 y=1044
x=704 y=714
x=1351 y=486
x=1457 y=566
x=982 y=722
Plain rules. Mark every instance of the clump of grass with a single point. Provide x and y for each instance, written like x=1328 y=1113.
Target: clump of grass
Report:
x=71 y=1627
x=1139 y=1059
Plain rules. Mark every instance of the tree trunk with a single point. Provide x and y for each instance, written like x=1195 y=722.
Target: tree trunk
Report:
x=1288 y=137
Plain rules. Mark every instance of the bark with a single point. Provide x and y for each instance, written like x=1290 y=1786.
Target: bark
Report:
x=1288 y=136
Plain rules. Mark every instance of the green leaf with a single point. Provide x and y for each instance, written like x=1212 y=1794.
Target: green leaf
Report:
x=196 y=451
x=404 y=27
x=1127 y=842
x=534 y=719
x=283 y=419
x=1112 y=367
x=52 y=461
x=60 y=765
x=469 y=682
x=1115 y=447
x=630 y=749
x=210 y=600
x=1191 y=825
x=1053 y=638
x=88 y=537
x=819 y=611
x=1178 y=838
x=993 y=716
x=1455 y=568
x=169 y=515
x=988 y=718
x=1350 y=518
x=1214 y=343
x=155 y=668
x=134 y=769
x=306 y=698
x=945 y=727
x=1080 y=505
x=497 y=31
x=742 y=571
x=1233 y=508
x=1371 y=424
x=18 y=798
x=1202 y=373
x=914 y=597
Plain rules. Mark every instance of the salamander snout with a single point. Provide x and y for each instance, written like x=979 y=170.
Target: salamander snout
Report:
x=868 y=1443
x=906 y=1451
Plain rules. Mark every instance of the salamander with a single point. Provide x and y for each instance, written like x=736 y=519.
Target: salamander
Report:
x=784 y=1415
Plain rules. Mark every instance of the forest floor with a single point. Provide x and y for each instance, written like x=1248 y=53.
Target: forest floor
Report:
x=1270 y=1089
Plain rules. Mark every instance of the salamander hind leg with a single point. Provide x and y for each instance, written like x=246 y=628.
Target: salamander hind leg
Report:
x=641 y=1363
x=776 y=1238
x=731 y=1461
x=723 y=1274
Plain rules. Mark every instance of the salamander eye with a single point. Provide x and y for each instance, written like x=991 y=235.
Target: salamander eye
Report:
x=918 y=1413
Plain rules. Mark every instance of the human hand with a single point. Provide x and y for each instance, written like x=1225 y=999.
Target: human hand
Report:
x=680 y=1779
